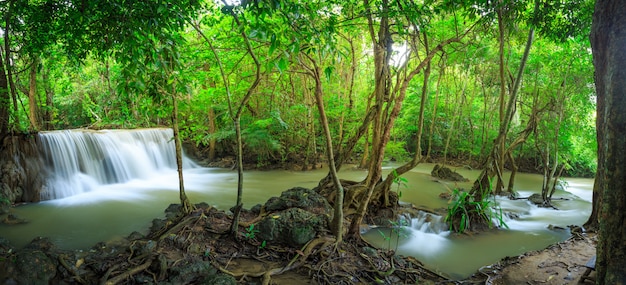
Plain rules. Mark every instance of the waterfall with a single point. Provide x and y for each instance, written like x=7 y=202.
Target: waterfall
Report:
x=429 y=223
x=427 y=235
x=77 y=161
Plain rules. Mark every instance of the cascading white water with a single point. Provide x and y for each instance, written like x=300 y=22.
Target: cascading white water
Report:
x=427 y=233
x=80 y=160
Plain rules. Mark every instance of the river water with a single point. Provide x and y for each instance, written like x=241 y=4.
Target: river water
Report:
x=109 y=211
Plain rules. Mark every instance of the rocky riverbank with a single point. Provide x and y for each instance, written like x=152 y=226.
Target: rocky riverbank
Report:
x=276 y=241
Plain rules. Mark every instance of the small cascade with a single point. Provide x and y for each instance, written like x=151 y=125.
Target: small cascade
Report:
x=427 y=235
x=429 y=223
x=80 y=160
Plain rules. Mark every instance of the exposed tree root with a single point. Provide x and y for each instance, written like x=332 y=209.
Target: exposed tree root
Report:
x=183 y=252
x=69 y=268
x=128 y=273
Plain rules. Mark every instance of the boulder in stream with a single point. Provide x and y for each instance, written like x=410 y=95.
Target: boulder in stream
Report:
x=13 y=219
x=445 y=173
x=536 y=199
x=295 y=217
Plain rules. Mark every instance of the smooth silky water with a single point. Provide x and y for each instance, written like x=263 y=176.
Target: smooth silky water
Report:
x=108 y=207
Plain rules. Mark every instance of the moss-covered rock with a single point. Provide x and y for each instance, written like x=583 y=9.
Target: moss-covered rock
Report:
x=295 y=217
x=299 y=197
x=33 y=263
x=293 y=226
x=446 y=173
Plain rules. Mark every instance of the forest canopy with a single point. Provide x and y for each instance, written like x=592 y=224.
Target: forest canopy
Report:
x=449 y=67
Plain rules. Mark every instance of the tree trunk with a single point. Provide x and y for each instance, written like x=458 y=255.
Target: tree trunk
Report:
x=608 y=38
x=187 y=207
x=235 y=115
x=592 y=224
x=212 y=130
x=514 y=169
x=8 y=68
x=4 y=100
x=48 y=112
x=503 y=120
x=494 y=166
x=433 y=122
x=33 y=114
x=337 y=223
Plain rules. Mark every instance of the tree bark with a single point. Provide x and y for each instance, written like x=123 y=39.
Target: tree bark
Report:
x=4 y=100
x=48 y=112
x=337 y=222
x=33 y=112
x=592 y=224
x=494 y=166
x=608 y=38
x=187 y=207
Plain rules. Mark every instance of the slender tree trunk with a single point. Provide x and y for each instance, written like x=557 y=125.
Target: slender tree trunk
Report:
x=555 y=182
x=4 y=100
x=514 y=169
x=236 y=114
x=494 y=166
x=608 y=38
x=48 y=112
x=238 y=203
x=366 y=151
x=187 y=207
x=212 y=130
x=500 y=158
x=433 y=122
x=33 y=104
x=9 y=65
x=455 y=118
x=337 y=223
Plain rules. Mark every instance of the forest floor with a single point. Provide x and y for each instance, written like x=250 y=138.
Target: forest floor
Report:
x=561 y=263
x=183 y=251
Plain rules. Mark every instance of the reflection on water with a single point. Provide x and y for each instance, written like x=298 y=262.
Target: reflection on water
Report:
x=111 y=211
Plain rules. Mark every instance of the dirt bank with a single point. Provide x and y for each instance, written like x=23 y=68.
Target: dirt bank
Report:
x=561 y=263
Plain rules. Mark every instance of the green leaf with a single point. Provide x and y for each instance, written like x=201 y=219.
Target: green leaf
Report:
x=328 y=71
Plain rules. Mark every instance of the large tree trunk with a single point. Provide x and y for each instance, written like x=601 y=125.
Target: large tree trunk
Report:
x=592 y=223
x=608 y=39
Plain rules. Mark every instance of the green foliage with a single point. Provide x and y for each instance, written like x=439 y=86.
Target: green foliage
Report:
x=396 y=231
x=396 y=150
x=465 y=210
x=126 y=78
x=400 y=181
x=251 y=232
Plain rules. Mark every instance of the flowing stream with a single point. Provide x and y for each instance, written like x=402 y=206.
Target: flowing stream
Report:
x=106 y=184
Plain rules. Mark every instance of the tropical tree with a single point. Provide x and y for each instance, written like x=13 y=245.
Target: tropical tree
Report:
x=608 y=36
x=139 y=34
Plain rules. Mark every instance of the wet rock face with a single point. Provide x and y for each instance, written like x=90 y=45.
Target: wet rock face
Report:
x=295 y=217
x=21 y=169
